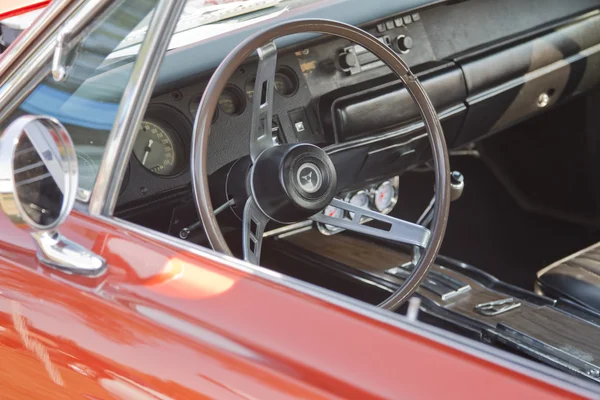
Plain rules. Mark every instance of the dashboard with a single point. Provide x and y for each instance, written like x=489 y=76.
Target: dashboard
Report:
x=485 y=64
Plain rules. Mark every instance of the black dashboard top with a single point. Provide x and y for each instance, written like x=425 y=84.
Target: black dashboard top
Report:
x=330 y=99
x=206 y=54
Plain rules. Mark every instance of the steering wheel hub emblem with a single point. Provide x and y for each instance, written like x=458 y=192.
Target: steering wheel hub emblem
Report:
x=293 y=182
x=309 y=177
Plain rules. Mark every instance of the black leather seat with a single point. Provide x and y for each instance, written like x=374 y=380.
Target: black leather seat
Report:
x=576 y=277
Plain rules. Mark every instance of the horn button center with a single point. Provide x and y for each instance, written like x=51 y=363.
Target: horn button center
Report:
x=309 y=177
x=293 y=182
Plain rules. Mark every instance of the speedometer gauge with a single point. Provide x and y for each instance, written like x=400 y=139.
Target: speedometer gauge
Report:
x=155 y=148
x=231 y=101
x=385 y=197
x=333 y=212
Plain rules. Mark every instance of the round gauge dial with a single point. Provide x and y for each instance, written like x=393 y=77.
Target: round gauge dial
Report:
x=231 y=101
x=286 y=82
x=359 y=199
x=154 y=148
x=385 y=197
x=333 y=212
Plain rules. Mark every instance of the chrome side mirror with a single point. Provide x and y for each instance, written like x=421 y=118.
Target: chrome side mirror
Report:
x=38 y=184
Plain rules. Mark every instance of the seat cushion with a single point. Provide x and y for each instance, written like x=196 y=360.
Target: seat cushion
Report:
x=576 y=277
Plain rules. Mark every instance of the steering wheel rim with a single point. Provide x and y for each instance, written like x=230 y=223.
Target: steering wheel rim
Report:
x=220 y=78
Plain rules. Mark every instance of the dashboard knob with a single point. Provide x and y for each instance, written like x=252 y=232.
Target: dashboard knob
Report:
x=404 y=43
x=457 y=185
x=348 y=60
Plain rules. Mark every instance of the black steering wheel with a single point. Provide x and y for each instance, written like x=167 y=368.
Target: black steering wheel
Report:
x=293 y=182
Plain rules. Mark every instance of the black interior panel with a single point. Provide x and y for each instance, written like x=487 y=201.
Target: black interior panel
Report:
x=457 y=28
x=505 y=86
x=373 y=110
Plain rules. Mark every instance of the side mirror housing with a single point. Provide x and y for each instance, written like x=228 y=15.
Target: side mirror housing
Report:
x=38 y=184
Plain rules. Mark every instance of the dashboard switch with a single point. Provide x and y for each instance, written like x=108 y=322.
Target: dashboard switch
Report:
x=300 y=124
x=348 y=59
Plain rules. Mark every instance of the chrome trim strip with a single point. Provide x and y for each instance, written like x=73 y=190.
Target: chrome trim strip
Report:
x=286 y=229
x=392 y=146
x=27 y=39
x=133 y=106
x=287 y=234
x=497 y=307
x=67 y=34
x=483 y=351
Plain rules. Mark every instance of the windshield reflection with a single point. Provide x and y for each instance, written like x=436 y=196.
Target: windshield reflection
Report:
x=202 y=19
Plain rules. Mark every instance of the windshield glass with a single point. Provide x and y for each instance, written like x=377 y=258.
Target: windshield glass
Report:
x=87 y=113
x=202 y=19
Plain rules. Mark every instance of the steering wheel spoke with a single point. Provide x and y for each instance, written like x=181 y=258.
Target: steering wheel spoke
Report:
x=392 y=228
x=261 y=135
x=254 y=224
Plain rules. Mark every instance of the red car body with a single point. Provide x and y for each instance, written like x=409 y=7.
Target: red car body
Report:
x=165 y=322
x=12 y=8
x=168 y=323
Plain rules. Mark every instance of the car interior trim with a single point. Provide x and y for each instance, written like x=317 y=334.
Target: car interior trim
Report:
x=529 y=76
x=396 y=133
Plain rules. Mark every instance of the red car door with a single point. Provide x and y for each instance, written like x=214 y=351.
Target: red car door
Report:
x=168 y=323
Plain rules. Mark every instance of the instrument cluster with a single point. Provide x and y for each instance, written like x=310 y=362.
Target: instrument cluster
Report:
x=380 y=197
x=161 y=153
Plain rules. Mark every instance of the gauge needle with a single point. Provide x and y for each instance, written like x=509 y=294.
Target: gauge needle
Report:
x=147 y=151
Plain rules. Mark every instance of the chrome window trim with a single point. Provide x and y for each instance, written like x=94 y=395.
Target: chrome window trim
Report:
x=29 y=43
x=136 y=97
x=16 y=89
x=483 y=351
